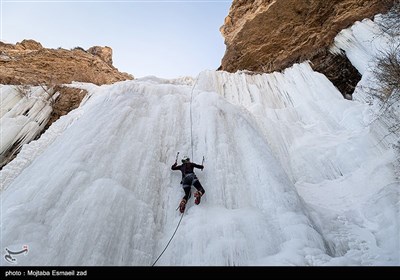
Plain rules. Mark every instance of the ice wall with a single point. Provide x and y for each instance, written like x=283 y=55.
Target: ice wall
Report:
x=24 y=112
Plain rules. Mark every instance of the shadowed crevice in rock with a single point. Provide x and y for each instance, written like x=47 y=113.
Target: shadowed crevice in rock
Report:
x=339 y=70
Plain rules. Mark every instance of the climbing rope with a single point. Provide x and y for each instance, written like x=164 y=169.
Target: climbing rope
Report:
x=191 y=116
x=191 y=144
x=169 y=240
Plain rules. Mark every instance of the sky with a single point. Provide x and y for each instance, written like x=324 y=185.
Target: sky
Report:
x=167 y=39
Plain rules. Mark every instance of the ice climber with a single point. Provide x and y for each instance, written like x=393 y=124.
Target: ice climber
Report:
x=189 y=179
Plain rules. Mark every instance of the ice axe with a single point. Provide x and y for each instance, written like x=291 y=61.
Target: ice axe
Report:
x=177 y=154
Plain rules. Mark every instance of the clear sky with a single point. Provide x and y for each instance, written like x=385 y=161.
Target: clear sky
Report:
x=162 y=38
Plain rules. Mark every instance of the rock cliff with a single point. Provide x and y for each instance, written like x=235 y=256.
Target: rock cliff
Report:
x=28 y=62
x=271 y=35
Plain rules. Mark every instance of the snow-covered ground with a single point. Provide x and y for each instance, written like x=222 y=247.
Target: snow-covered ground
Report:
x=294 y=175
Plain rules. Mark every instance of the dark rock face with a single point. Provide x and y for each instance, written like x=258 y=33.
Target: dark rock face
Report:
x=339 y=70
